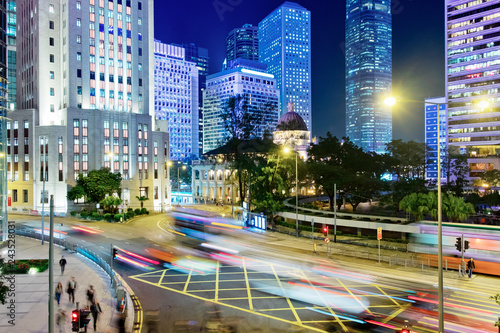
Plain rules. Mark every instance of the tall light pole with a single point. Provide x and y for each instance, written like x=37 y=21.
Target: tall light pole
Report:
x=296 y=192
x=178 y=179
x=391 y=101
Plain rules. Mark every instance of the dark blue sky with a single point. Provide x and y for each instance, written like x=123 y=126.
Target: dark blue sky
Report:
x=418 y=51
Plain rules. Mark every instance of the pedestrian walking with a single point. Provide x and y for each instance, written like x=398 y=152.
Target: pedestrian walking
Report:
x=59 y=291
x=470 y=266
x=62 y=263
x=71 y=289
x=95 y=309
x=90 y=295
x=61 y=320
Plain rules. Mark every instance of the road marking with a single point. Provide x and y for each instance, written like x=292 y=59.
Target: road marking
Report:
x=250 y=304
x=187 y=281
x=395 y=313
x=383 y=292
x=287 y=299
x=420 y=328
x=322 y=298
x=469 y=302
x=354 y=296
x=137 y=277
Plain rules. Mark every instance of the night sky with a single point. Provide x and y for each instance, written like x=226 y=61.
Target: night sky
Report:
x=418 y=51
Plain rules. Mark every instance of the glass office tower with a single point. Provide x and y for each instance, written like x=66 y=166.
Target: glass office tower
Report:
x=285 y=47
x=473 y=75
x=368 y=56
x=243 y=43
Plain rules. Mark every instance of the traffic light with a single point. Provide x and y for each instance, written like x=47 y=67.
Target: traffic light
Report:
x=114 y=253
x=325 y=231
x=84 y=320
x=466 y=245
x=458 y=244
x=75 y=319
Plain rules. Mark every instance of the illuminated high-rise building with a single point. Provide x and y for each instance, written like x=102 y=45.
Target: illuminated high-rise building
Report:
x=11 y=53
x=85 y=101
x=368 y=72
x=243 y=43
x=473 y=75
x=176 y=99
x=285 y=47
x=432 y=137
x=3 y=122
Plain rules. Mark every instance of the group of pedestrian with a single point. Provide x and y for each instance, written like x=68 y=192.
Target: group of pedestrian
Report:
x=92 y=303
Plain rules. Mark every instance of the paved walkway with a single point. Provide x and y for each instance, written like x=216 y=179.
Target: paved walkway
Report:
x=31 y=291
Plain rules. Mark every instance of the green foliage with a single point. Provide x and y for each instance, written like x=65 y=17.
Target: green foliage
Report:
x=131 y=213
x=137 y=211
x=496 y=298
x=96 y=186
x=84 y=214
x=130 y=210
x=96 y=216
x=107 y=217
x=421 y=204
x=110 y=203
x=408 y=159
x=142 y=199
x=3 y=288
x=73 y=213
x=144 y=211
x=117 y=217
x=355 y=172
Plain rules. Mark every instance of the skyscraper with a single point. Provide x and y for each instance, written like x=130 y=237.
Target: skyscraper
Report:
x=85 y=101
x=473 y=75
x=176 y=99
x=285 y=46
x=243 y=43
x=199 y=56
x=258 y=90
x=3 y=123
x=368 y=72
x=11 y=54
x=431 y=135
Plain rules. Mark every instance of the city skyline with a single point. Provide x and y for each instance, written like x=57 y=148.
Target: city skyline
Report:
x=414 y=76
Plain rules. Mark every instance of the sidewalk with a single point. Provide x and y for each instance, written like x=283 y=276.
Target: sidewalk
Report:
x=31 y=291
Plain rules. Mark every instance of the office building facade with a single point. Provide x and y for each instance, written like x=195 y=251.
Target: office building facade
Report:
x=199 y=56
x=243 y=43
x=368 y=72
x=11 y=53
x=473 y=75
x=3 y=122
x=176 y=99
x=85 y=101
x=432 y=136
x=259 y=92
x=285 y=47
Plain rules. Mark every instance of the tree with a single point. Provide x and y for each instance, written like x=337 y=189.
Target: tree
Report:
x=491 y=178
x=408 y=157
x=3 y=287
x=341 y=162
x=421 y=204
x=141 y=200
x=110 y=203
x=456 y=209
x=96 y=186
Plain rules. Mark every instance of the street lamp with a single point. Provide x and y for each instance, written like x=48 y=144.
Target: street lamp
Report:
x=178 y=180
x=390 y=101
x=287 y=150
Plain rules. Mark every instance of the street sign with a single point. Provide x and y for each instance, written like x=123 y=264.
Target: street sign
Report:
x=379 y=233
x=120 y=207
x=327 y=240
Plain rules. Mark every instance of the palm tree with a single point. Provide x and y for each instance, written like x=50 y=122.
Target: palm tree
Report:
x=142 y=199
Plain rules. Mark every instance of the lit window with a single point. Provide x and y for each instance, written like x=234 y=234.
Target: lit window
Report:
x=51 y=9
x=78 y=39
x=51 y=75
x=78 y=5
x=78 y=22
x=52 y=93
x=78 y=56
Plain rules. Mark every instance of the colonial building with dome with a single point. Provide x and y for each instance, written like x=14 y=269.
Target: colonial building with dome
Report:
x=292 y=131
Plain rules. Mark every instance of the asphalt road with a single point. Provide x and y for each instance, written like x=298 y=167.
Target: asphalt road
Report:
x=269 y=287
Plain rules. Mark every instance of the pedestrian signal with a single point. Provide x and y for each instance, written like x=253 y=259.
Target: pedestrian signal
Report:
x=114 y=253
x=325 y=231
x=466 y=245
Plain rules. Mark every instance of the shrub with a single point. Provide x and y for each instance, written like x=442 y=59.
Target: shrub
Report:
x=131 y=213
x=137 y=211
x=118 y=216
x=144 y=211
x=96 y=216
x=129 y=210
x=84 y=214
x=107 y=217
x=93 y=211
x=73 y=213
x=25 y=209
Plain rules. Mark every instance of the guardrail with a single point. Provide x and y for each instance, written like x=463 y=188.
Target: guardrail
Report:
x=348 y=215
x=116 y=280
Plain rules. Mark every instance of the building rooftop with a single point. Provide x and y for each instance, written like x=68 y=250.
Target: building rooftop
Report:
x=291 y=121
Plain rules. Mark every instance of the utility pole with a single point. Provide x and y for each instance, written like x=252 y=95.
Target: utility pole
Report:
x=44 y=152
x=335 y=213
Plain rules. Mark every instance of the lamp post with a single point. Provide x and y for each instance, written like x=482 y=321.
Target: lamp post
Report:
x=44 y=145
x=178 y=180
x=391 y=101
x=296 y=193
